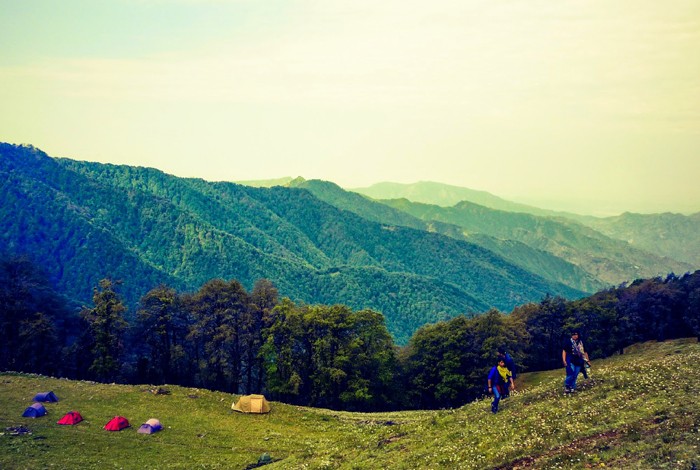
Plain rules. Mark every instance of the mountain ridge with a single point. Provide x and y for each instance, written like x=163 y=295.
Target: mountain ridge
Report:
x=446 y=195
x=183 y=232
x=554 y=247
x=316 y=241
x=532 y=259
x=669 y=234
x=610 y=260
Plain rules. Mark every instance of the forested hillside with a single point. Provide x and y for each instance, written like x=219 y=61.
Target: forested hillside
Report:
x=535 y=260
x=672 y=235
x=85 y=221
x=609 y=260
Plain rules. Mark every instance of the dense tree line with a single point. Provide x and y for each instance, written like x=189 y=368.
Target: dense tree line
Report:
x=227 y=338
x=329 y=357
x=446 y=362
x=34 y=319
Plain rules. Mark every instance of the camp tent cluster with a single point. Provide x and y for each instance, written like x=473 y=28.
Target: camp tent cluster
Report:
x=245 y=404
x=36 y=410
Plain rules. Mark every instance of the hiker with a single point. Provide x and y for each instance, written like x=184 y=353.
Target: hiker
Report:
x=573 y=360
x=499 y=377
x=510 y=364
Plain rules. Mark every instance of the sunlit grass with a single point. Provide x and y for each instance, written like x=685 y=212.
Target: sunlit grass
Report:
x=640 y=410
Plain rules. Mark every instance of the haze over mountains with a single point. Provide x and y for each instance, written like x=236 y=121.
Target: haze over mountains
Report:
x=415 y=263
x=445 y=195
x=666 y=234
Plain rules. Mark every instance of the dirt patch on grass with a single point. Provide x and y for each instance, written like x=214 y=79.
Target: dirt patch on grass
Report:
x=590 y=443
x=600 y=442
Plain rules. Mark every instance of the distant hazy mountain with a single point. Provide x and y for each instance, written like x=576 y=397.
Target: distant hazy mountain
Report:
x=85 y=221
x=532 y=259
x=266 y=183
x=445 y=195
x=674 y=235
x=606 y=259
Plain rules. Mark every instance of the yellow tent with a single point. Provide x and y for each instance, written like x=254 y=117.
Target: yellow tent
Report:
x=252 y=404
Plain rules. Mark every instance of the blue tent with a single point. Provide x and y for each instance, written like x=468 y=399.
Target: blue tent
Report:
x=150 y=426
x=46 y=396
x=34 y=411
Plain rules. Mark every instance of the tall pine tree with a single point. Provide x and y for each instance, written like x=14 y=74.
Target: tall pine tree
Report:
x=106 y=330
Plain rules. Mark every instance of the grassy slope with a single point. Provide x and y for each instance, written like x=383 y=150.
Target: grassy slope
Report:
x=642 y=411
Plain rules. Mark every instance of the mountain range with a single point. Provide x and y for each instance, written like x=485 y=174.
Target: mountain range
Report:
x=671 y=235
x=446 y=195
x=316 y=242
x=557 y=248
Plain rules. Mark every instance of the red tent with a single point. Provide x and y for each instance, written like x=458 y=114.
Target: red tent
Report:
x=72 y=417
x=117 y=424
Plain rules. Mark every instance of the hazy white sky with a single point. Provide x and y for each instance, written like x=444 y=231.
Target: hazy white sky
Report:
x=589 y=105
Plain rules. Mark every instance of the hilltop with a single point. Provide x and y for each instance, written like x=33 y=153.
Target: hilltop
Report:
x=641 y=411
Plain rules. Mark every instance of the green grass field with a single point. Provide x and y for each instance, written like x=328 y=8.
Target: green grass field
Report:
x=641 y=410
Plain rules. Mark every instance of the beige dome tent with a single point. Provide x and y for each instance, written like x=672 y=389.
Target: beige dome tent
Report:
x=252 y=404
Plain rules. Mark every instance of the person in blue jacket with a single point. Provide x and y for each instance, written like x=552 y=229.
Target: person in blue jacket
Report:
x=510 y=364
x=573 y=359
x=499 y=377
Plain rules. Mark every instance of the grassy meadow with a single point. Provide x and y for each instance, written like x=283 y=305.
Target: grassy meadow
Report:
x=638 y=410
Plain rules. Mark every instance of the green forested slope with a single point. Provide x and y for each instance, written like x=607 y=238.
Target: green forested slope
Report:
x=62 y=235
x=85 y=221
x=609 y=260
x=538 y=261
x=674 y=235
x=295 y=225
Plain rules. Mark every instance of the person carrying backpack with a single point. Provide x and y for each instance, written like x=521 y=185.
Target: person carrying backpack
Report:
x=573 y=360
x=510 y=364
x=499 y=378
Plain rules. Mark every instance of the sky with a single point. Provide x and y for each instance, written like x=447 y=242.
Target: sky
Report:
x=590 y=106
